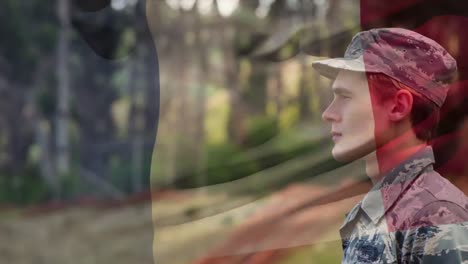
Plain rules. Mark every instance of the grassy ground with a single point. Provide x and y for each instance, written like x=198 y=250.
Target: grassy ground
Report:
x=182 y=243
x=185 y=228
x=120 y=235
x=329 y=251
x=125 y=235
x=78 y=235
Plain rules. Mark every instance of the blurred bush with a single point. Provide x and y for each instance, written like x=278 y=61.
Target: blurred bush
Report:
x=24 y=188
x=263 y=148
x=224 y=162
x=260 y=129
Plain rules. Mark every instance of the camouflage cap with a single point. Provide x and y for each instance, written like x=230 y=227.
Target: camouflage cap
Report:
x=404 y=55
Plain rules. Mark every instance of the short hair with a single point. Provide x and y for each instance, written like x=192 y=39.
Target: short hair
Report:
x=425 y=114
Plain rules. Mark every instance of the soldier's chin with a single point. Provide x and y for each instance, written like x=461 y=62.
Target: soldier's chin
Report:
x=342 y=154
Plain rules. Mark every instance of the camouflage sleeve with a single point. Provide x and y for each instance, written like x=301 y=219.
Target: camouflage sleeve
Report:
x=438 y=234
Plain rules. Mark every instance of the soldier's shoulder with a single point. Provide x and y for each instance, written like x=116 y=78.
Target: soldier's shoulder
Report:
x=440 y=202
x=442 y=189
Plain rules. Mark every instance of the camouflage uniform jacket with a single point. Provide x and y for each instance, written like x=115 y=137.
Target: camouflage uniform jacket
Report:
x=413 y=215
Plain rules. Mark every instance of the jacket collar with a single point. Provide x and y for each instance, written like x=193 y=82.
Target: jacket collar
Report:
x=386 y=192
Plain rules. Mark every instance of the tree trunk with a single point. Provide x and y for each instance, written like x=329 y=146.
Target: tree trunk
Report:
x=304 y=100
x=178 y=119
x=135 y=123
x=46 y=163
x=63 y=89
x=278 y=89
x=200 y=98
x=236 y=125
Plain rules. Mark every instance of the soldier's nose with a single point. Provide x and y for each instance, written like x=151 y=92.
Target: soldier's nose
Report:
x=329 y=116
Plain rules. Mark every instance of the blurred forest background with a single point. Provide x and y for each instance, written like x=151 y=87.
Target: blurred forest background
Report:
x=91 y=112
x=207 y=108
x=80 y=92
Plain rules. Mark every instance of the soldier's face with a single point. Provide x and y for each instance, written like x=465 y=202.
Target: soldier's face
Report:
x=351 y=116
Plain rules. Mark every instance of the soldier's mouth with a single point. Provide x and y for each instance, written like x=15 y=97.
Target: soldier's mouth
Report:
x=336 y=136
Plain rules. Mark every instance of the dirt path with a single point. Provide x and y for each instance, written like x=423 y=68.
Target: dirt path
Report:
x=78 y=235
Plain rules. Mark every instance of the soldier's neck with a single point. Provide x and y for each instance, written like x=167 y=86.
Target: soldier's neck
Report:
x=390 y=155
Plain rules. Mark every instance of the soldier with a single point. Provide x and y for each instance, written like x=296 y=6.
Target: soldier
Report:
x=388 y=89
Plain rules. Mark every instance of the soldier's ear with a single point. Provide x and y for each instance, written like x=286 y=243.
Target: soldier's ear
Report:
x=91 y=5
x=400 y=106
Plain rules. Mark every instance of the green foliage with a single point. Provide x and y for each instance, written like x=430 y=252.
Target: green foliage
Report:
x=127 y=43
x=260 y=129
x=25 y=188
x=227 y=162
x=330 y=252
x=255 y=86
x=223 y=163
x=70 y=185
x=29 y=32
x=46 y=101
x=245 y=42
x=216 y=116
x=283 y=153
x=120 y=172
x=289 y=116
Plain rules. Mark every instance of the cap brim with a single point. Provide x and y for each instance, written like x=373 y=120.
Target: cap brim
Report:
x=330 y=67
